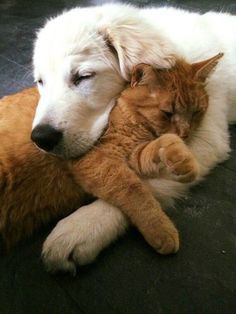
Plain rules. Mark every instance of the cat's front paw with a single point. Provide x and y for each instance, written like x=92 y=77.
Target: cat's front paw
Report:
x=178 y=159
x=163 y=236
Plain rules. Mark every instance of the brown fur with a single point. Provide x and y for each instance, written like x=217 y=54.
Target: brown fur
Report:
x=36 y=187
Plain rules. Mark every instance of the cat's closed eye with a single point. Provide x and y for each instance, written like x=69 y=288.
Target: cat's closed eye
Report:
x=196 y=113
x=167 y=114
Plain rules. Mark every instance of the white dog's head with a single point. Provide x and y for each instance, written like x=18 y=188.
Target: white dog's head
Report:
x=82 y=61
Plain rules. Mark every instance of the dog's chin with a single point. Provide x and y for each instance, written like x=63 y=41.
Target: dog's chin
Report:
x=69 y=153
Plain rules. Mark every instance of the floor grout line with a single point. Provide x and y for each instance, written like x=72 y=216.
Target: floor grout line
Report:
x=12 y=61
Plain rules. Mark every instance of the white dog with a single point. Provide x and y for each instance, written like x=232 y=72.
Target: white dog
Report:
x=82 y=61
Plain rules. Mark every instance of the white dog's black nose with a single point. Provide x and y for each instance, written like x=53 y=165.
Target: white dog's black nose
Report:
x=46 y=137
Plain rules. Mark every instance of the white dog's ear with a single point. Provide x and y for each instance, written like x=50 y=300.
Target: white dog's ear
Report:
x=134 y=42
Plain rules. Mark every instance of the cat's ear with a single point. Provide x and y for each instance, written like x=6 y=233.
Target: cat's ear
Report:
x=202 y=69
x=142 y=74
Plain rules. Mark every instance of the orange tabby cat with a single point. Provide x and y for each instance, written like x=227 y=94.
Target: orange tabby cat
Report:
x=159 y=101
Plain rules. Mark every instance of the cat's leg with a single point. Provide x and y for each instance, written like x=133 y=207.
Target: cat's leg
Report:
x=114 y=182
x=80 y=237
x=166 y=154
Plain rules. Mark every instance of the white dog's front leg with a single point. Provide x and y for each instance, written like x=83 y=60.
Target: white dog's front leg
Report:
x=80 y=237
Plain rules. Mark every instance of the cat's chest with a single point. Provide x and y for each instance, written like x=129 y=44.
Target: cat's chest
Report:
x=124 y=140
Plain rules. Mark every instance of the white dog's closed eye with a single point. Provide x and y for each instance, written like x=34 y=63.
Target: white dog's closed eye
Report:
x=77 y=78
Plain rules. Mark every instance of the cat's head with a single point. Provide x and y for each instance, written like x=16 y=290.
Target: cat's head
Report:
x=173 y=100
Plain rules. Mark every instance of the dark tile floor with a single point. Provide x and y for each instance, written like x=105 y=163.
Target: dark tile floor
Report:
x=128 y=277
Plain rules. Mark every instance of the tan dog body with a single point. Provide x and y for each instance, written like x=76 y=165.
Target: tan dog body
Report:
x=35 y=187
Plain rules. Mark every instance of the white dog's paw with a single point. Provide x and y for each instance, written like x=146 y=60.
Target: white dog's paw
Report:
x=68 y=246
x=80 y=237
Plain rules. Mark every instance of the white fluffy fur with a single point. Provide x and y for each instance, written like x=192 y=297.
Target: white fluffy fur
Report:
x=78 y=238
x=76 y=41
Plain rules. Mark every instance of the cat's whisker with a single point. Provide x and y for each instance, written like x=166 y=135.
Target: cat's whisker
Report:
x=202 y=131
x=202 y=139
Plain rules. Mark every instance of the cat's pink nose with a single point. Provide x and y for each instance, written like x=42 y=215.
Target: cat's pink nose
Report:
x=184 y=133
x=184 y=137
